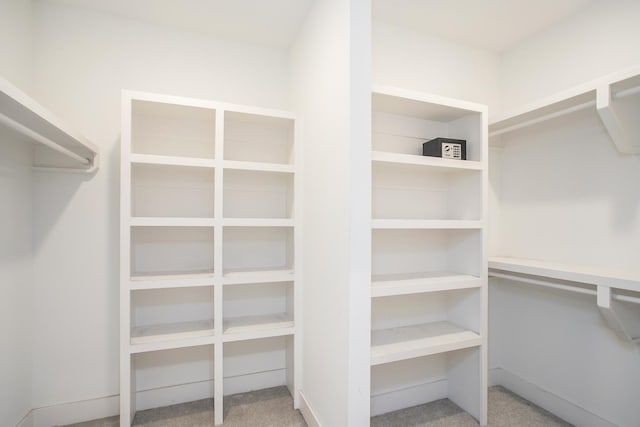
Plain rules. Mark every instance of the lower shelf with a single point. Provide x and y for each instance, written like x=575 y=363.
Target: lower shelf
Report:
x=407 y=342
x=159 y=336
x=252 y=327
x=413 y=283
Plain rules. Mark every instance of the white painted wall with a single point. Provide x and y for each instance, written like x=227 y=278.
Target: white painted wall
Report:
x=16 y=192
x=565 y=194
x=82 y=61
x=331 y=90
x=16 y=278
x=602 y=38
x=420 y=62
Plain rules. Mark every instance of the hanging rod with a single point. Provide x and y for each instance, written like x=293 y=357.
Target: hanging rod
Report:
x=561 y=286
x=41 y=139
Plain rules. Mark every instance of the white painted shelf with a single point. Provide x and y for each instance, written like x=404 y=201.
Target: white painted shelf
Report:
x=24 y=115
x=427 y=251
x=615 y=97
x=408 y=342
x=627 y=280
x=171 y=222
x=209 y=193
x=414 y=283
x=261 y=326
x=171 y=331
x=258 y=167
x=435 y=162
x=152 y=159
x=237 y=277
x=425 y=224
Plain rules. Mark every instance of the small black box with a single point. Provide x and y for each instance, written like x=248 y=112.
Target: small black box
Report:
x=446 y=148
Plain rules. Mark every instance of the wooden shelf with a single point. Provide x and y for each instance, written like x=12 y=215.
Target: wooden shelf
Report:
x=24 y=115
x=182 y=280
x=572 y=273
x=253 y=327
x=408 y=342
x=152 y=159
x=404 y=224
x=414 y=283
x=435 y=162
x=170 y=335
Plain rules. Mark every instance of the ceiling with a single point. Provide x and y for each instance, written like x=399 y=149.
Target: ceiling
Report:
x=495 y=25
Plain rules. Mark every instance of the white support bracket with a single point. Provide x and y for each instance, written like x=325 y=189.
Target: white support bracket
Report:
x=622 y=318
x=624 y=133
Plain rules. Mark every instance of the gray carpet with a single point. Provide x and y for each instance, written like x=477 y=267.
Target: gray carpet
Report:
x=273 y=407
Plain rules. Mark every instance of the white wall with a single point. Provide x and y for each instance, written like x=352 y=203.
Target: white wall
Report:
x=334 y=116
x=565 y=194
x=16 y=278
x=82 y=61
x=602 y=38
x=15 y=42
x=16 y=266
x=420 y=62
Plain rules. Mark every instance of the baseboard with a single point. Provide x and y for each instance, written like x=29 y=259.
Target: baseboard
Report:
x=86 y=410
x=307 y=412
x=553 y=403
x=406 y=397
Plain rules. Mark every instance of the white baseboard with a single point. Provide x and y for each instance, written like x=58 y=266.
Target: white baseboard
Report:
x=307 y=412
x=406 y=397
x=86 y=410
x=553 y=403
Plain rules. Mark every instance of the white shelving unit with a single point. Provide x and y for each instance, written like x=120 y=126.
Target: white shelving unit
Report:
x=209 y=241
x=57 y=147
x=429 y=278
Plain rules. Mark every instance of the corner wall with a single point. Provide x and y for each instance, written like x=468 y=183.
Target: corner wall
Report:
x=16 y=192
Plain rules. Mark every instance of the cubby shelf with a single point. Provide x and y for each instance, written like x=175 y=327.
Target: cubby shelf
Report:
x=410 y=224
x=208 y=205
x=429 y=278
x=21 y=113
x=152 y=159
x=414 y=283
x=408 y=342
x=162 y=332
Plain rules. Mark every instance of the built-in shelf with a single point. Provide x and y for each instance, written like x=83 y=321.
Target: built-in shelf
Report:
x=258 y=167
x=237 y=277
x=171 y=222
x=258 y=222
x=414 y=283
x=416 y=224
x=615 y=97
x=22 y=114
x=152 y=159
x=408 y=342
x=260 y=325
x=171 y=331
x=436 y=162
x=572 y=273
x=182 y=280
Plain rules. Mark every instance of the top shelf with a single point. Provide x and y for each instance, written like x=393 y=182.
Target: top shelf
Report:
x=573 y=273
x=22 y=114
x=616 y=98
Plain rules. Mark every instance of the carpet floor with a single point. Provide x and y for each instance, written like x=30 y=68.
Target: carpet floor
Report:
x=273 y=408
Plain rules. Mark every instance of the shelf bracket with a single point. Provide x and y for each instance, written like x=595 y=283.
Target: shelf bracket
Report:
x=624 y=133
x=621 y=317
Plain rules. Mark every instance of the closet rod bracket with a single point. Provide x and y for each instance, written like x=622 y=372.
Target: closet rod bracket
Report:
x=623 y=132
x=623 y=319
